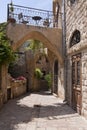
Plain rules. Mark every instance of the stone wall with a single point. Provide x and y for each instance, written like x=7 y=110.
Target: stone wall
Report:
x=18 y=88
x=61 y=88
x=76 y=19
x=84 y=83
x=1 y=98
x=68 y=80
x=19 y=66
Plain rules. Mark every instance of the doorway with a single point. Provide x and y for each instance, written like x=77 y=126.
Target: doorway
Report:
x=8 y=93
x=76 y=83
x=56 y=77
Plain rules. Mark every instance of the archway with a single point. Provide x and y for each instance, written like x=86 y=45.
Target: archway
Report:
x=50 y=37
x=33 y=59
x=44 y=35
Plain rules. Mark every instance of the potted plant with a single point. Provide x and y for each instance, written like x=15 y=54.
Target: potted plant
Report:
x=38 y=73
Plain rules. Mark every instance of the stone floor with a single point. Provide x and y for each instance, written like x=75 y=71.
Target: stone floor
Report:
x=39 y=111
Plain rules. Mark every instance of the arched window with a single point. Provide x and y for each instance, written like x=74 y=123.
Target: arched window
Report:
x=75 y=38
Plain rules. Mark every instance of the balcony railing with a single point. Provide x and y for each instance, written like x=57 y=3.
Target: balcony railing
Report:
x=30 y=16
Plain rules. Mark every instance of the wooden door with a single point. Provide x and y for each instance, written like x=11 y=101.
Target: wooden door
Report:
x=76 y=83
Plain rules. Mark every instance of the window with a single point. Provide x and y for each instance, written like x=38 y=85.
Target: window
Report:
x=75 y=38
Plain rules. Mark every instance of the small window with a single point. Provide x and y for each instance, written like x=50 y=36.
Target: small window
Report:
x=75 y=38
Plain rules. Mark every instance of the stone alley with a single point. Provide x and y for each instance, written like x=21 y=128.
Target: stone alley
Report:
x=39 y=111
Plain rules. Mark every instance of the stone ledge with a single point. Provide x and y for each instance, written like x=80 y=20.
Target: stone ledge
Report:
x=18 y=88
x=77 y=47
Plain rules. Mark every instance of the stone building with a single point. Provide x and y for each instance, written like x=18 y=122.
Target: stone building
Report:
x=67 y=50
x=74 y=32
x=76 y=54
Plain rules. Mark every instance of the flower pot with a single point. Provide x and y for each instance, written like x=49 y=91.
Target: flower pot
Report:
x=12 y=20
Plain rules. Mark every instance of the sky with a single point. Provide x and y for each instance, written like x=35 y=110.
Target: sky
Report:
x=39 y=4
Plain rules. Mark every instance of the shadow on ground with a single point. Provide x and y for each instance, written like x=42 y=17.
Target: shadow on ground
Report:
x=16 y=111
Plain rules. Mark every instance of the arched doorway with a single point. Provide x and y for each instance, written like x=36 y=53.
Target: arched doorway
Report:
x=55 y=89
x=36 y=34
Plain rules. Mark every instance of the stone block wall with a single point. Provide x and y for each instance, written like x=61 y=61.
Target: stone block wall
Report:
x=76 y=19
x=19 y=67
x=68 y=80
x=18 y=88
x=61 y=89
x=84 y=83
x=1 y=99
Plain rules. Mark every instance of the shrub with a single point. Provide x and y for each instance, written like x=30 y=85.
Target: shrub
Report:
x=6 y=53
x=48 y=78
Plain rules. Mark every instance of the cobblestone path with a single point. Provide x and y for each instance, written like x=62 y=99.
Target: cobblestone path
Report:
x=39 y=111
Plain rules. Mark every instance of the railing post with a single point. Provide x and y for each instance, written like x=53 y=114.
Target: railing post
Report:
x=7 y=12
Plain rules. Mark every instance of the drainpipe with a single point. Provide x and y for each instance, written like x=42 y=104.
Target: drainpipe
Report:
x=64 y=43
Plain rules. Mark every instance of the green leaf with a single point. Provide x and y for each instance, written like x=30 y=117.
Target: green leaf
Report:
x=6 y=53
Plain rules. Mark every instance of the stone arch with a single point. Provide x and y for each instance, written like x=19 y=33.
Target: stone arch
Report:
x=75 y=38
x=38 y=36
x=32 y=35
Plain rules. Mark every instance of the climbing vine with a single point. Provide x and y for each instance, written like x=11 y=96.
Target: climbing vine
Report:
x=7 y=55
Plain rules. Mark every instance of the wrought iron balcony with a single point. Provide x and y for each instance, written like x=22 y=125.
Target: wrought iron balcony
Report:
x=30 y=16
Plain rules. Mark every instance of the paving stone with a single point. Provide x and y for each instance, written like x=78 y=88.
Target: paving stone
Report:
x=20 y=114
x=41 y=128
x=62 y=129
x=31 y=127
x=51 y=128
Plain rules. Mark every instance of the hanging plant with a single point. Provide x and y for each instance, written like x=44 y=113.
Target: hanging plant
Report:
x=6 y=53
x=38 y=73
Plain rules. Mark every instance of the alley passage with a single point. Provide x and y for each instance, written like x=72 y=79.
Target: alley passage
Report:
x=39 y=111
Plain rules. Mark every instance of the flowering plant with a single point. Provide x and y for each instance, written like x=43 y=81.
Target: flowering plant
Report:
x=21 y=78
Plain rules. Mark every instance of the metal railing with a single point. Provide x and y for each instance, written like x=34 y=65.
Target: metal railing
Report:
x=30 y=16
